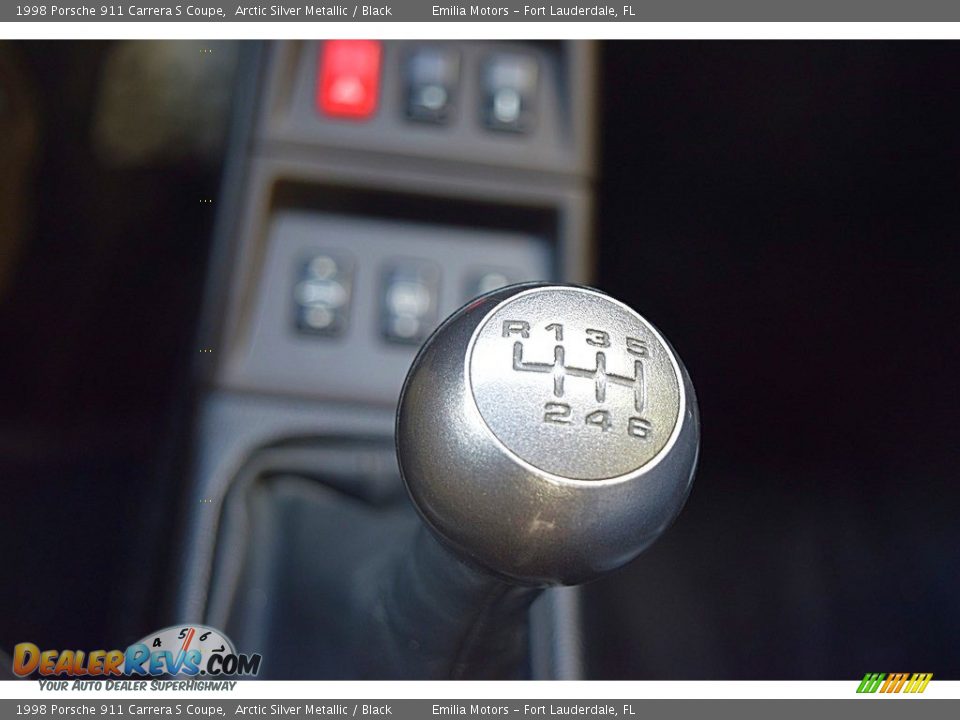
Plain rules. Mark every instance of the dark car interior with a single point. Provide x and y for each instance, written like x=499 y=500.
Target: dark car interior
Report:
x=219 y=259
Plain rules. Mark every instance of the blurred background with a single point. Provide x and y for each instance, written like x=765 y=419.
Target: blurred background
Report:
x=786 y=213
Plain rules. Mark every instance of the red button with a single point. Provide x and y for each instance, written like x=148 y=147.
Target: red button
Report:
x=349 y=78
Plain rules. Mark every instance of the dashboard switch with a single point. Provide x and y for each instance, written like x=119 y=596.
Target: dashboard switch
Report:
x=348 y=81
x=322 y=295
x=509 y=84
x=432 y=75
x=409 y=302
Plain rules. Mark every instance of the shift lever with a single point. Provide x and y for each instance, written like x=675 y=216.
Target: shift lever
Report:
x=546 y=434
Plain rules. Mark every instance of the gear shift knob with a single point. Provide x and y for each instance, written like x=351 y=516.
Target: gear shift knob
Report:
x=547 y=433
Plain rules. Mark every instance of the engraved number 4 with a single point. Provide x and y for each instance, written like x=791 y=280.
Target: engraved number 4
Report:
x=600 y=419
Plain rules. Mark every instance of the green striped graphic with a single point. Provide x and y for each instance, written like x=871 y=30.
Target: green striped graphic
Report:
x=871 y=682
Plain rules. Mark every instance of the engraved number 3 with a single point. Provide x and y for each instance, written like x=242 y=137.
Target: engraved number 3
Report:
x=598 y=338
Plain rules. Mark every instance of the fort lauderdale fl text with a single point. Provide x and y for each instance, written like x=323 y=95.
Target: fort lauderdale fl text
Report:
x=530 y=11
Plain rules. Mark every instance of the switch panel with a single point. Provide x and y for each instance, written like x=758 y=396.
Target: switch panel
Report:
x=513 y=105
x=398 y=279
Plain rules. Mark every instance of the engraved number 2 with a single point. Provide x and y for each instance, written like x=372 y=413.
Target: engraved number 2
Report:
x=554 y=412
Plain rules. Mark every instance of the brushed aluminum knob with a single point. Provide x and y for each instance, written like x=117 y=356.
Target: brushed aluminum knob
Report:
x=547 y=433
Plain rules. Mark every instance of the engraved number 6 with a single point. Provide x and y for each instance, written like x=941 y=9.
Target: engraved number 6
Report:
x=639 y=428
